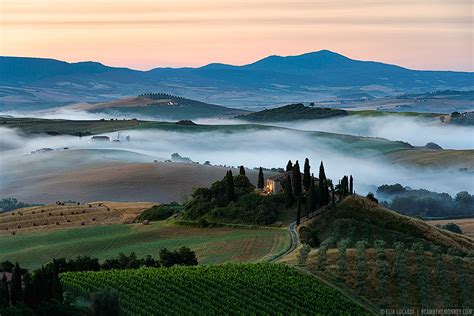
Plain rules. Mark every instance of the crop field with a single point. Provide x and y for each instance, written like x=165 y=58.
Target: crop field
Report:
x=56 y=216
x=466 y=224
x=263 y=289
x=212 y=245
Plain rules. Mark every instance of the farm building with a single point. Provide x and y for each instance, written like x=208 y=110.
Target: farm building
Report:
x=274 y=184
x=7 y=275
x=100 y=138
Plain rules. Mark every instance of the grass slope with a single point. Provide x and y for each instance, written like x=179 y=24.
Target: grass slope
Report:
x=263 y=289
x=216 y=245
x=357 y=218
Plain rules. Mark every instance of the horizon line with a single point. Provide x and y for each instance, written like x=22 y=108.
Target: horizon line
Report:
x=233 y=65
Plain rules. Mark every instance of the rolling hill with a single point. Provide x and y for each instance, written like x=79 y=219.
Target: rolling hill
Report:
x=212 y=245
x=263 y=289
x=159 y=106
x=291 y=112
x=41 y=83
x=57 y=216
x=356 y=218
x=390 y=260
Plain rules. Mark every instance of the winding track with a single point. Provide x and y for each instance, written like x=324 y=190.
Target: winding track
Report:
x=294 y=234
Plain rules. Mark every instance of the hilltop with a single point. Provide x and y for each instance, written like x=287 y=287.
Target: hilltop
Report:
x=292 y=112
x=159 y=105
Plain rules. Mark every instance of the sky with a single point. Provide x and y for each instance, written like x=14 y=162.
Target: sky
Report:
x=143 y=34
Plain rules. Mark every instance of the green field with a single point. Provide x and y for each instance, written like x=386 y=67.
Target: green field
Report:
x=250 y=289
x=377 y=113
x=67 y=127
x=216 y=245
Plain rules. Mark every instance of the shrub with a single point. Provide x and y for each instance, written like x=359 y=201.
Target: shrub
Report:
x=159 y=212
x=452 y=228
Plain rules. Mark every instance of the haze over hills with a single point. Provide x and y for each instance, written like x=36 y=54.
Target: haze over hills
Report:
x=33 y=83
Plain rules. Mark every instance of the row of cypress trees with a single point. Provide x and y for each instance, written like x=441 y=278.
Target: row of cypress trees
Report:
x=31 y=289
x=296 y=188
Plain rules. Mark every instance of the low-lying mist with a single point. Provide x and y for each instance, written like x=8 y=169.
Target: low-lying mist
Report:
x=252 y=148
x=416 y=131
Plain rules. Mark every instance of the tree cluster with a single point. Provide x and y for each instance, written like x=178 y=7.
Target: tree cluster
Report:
x=233 y=200
x=424 y=203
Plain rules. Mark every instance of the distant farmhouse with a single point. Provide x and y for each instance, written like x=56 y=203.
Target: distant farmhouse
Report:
x=100 y=138
x=274 y=184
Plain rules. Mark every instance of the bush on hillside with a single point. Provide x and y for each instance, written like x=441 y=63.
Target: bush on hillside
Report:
x=159 y=212
x=452 y=228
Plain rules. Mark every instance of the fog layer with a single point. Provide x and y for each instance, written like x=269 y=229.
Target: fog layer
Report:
x=416 y=131
x=252 y=148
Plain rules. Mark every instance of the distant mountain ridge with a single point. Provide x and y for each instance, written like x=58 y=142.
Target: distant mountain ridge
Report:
x=274 y=79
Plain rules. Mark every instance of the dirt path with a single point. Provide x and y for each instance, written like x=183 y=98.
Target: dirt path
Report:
x=292 y=228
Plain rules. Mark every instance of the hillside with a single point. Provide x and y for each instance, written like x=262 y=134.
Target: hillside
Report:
x=356 y=218
x=389 y=260
x=393 y=278
x=227 y=289
x=291 y=112
x=322 y=75
x=159 y=105
x=41 y=218
x=212 y=245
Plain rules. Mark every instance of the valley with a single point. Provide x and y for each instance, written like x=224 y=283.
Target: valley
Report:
x=307 y=184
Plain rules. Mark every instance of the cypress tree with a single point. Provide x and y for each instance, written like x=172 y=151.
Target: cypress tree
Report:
x=229 y=186
x=56 y=287
x=16 y=291
x=296 y=179
x=312 y=198
x=297 y=189
x=242 y=170
x=332 y=194
x=323 y=191
x=4 y=301
x=306 y=175
x=289 y=166
x=344 y=186
x=261 y=181
x=29 y=293
x=288 y=190
x=351 y=185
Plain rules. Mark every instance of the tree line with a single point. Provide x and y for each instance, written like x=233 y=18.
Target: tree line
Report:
x=304 y=189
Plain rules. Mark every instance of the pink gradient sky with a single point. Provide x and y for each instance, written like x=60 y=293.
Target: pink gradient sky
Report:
x=143 y=34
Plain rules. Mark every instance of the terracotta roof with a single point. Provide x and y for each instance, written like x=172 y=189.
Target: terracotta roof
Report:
x=7 y=274
x=282 y=177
